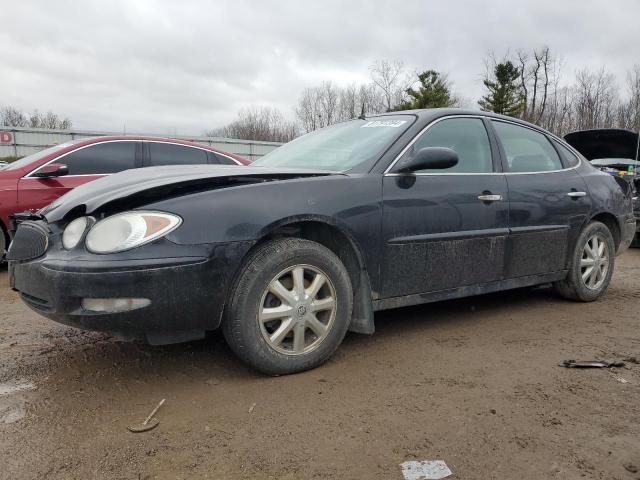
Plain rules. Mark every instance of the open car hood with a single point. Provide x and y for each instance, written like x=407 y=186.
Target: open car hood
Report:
x=134 y=188
x=605 y=143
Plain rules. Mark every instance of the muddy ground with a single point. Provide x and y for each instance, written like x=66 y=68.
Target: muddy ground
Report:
x=473 y=382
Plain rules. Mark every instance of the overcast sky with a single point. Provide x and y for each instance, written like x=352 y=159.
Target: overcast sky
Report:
x=180 y=67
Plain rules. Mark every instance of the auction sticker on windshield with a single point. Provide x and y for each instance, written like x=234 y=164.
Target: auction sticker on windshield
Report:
x=384 y=123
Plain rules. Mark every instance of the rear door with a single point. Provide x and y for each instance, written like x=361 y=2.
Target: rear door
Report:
x=548 y=201
x=85 y=164
x=446 y=229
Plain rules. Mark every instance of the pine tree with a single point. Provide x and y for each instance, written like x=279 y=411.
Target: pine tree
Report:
x=433 y=92
x=504 y=95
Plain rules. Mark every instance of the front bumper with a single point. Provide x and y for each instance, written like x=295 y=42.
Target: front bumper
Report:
x=187 y=292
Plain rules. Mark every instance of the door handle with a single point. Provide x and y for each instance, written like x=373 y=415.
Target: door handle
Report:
x=576 y=194
x=489 y=198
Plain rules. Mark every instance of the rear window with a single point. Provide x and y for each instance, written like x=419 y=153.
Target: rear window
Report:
x=526 y=149
x=172 y=154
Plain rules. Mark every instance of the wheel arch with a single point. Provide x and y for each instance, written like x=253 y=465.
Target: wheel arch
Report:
x=612 y=223
x=328 y=233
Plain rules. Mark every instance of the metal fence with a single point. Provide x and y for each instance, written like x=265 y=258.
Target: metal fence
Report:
x=20 y=142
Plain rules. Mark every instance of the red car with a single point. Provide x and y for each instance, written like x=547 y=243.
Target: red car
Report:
x=35 y=181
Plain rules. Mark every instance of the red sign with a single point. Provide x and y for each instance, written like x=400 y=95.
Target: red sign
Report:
x=6 y=137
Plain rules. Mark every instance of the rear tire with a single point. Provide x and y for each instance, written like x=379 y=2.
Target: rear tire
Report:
x=290 y=307
x=592 y=265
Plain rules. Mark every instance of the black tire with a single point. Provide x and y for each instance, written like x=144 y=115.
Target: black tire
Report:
x=3 y=244
x=248 y=336
x=573 y=287
x=635 y=243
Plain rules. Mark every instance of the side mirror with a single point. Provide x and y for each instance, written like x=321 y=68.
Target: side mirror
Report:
x=52 y=170
x=429 y=158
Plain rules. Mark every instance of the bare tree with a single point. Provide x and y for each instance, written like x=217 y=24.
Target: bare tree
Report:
x=629 y=110
x=259 y=123
x=327 y=104
x=596 y=98
x=523 y=62
x=392 y=79
x=544 y=62
x=328 y=97
x=537 y=78
x=12 y=117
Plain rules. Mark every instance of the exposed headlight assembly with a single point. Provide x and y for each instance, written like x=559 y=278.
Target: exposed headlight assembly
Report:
x=128 y=230
x=75 y=231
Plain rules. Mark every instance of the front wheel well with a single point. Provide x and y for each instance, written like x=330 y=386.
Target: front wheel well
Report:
x=612 y=224
x=344 y=247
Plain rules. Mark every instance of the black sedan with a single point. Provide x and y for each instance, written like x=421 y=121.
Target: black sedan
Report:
x=290 y=253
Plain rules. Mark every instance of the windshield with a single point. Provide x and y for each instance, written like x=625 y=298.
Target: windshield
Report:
x=25 y=161
x=339 y=147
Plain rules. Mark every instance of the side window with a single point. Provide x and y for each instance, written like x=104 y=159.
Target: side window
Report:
x=570 y=159
x=222 y=160
x=173 y=154
x=102 y=158
x=526 y=149
x=467 y=137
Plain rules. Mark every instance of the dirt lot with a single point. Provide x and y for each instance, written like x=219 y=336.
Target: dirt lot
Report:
x=473 y=382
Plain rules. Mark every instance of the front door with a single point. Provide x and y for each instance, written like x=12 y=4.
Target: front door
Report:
x=444 y=229
x=548 y=203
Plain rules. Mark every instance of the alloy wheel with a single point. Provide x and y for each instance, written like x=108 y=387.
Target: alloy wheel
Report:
x=297 y=310
x=594 y=263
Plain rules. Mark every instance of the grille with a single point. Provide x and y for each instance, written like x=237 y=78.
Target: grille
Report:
x=30 y=241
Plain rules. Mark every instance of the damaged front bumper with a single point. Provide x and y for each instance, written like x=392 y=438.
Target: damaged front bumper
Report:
x=179 y=290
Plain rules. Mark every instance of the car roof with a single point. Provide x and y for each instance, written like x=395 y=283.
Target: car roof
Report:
x=430 y=114
x=110 y=138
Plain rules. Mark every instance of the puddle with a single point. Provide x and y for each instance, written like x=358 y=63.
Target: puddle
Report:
x=13 y=400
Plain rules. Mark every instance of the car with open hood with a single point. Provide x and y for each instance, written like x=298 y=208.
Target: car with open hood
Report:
x=288 y=254
x=615 y=151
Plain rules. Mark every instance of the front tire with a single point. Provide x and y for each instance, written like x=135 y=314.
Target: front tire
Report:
x=290 y=308
x=3 y=244
x=592 y=265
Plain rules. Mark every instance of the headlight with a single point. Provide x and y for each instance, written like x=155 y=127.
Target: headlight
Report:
x=128 y=230
x=75 y=230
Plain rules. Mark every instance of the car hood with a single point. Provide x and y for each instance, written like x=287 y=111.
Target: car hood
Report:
x=134 y=188
x=605 y=143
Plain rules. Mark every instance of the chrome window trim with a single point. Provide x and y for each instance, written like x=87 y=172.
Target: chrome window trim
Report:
x=29 y=175
x=192 y=146
x=481 y=117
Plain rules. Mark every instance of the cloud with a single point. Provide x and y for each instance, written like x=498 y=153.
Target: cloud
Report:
x=183 y=67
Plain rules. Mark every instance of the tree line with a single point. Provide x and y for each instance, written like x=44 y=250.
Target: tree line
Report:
x=530 y=85
x=13 y=117
x=527 y=85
